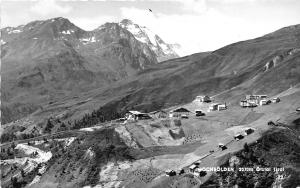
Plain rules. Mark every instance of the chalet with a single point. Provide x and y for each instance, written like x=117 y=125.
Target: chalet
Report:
x=252 y=104
x=217 y=107
x=180 y=112
x=199 y=113
x=170 y=173
x=159 y=114
x=238 y=137
x=263 y=102
x=213 y=107
x=254 y=97
x=203 y=99
x=248 y=103
x=193 y=167
x=249 y=131
x=244 y=103
x=222 y=107
x=275 y=100
x=222 y=146
x=136 y=115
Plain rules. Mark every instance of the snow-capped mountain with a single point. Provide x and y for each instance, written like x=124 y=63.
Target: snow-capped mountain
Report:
x=163 y=50
x=55 y=55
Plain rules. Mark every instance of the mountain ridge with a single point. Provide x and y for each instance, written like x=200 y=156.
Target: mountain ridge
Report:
x=55 y=56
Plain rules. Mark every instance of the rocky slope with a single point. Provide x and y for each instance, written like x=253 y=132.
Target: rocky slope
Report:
x=53 y=58
x=163 y=50
x=277 y=148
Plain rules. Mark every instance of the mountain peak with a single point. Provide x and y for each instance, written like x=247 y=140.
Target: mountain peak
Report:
x=60 y=21
x=163 y=50
x=126 y=22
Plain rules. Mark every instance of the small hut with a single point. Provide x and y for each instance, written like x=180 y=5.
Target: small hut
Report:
x=180 y=112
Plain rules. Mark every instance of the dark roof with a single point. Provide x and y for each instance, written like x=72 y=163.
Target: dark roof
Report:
x=158 y=111
x=181 y=110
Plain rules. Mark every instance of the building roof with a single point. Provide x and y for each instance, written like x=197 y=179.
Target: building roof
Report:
x=181 y=110
x=192 y=166
x=238 y=135
x=135 y=112
x=202 y=96
x=157 y=111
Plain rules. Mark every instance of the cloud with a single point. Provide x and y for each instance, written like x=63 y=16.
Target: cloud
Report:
x=48 y=7
x=208 y=30
x=197 y=6
x=92 y=23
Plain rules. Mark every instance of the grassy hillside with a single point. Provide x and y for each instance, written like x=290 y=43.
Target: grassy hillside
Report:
x=278 y=147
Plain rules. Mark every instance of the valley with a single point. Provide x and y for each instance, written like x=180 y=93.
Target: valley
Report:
x=151 y=149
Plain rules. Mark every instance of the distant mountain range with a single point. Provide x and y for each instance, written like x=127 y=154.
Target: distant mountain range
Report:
x=55 y=57
x=54 y=65
x=265 y=65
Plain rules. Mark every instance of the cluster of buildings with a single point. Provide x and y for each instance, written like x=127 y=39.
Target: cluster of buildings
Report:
x=255 y=100
x=179 y=112
x=213 y=106
x=136 y=115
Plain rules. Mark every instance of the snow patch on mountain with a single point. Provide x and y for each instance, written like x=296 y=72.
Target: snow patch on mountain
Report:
x=162 y=50
x=66 y=32
x=88 y=40
x=150 y=34
x=15 y=31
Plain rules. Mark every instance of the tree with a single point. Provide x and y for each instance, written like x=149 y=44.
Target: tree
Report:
x=13 y=145
x=49 y=126
x=45 y=140
x=22 y=173
x=246 y=147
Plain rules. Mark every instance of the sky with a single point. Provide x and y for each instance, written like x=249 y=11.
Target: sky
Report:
x=197 y=25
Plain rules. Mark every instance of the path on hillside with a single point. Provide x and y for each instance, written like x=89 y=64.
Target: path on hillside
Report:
x=76 y=131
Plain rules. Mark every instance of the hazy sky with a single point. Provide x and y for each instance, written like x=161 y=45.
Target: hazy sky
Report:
x=197 y=25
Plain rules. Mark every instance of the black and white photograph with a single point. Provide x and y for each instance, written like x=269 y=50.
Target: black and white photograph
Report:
x=150 y=94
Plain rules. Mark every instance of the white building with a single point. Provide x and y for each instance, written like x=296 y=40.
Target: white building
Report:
x=203 y=98
x=263 y=102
